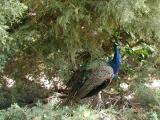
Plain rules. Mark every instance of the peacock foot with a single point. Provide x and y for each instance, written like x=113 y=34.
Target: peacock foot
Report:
x=98 y=103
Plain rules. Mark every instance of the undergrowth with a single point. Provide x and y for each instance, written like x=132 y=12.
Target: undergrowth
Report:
x=51 y=111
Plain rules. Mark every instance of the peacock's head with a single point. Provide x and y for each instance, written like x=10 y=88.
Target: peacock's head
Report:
x=116 y=61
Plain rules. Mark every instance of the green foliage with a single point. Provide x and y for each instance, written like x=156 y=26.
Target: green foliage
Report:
x=153 y=115
x=5 y=99
x=55 y=37
x=11 y=13
x=15 y=113
x=55 y=32
x=147 y=96
x=49 y=112
x=53 y=112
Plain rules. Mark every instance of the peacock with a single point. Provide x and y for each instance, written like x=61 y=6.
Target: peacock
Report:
x=93 y=77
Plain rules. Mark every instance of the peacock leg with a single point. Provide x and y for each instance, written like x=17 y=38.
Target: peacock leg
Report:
x=100 y=103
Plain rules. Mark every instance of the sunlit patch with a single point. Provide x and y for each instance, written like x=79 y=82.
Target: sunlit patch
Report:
x=9 y=82
x=124 y=86
x=130 y=96
x=153 y=84
x=44 y=81
x=86 y=114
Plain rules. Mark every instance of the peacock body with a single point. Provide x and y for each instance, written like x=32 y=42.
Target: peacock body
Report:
x=93 y=77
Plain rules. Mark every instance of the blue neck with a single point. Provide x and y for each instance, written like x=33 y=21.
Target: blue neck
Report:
x=116 y=61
